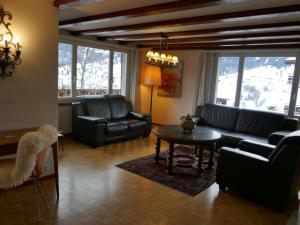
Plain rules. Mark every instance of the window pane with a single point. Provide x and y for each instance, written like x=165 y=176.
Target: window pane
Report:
x=292 y=61
x=267 y=83
x=64 y=70
x=92 y=71
x=227 y=79
x=119 y=73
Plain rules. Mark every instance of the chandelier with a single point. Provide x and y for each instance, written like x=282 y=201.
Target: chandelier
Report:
x=162 y=58
x=9 y=46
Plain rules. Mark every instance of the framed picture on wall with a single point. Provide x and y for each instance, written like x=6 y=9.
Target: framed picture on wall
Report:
x=171 y=81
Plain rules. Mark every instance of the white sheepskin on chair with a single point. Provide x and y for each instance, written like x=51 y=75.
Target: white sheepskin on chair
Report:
x=29 y=145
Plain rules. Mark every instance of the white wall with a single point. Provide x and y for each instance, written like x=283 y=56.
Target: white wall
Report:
x=167 y=110
x=29 y=97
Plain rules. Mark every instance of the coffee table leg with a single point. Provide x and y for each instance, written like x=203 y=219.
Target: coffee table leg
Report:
x=170 y=158
x=156 y=158
x=196 y=150
x=200 y=160
x=211 y=156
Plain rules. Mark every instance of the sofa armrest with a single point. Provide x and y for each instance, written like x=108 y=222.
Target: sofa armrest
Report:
x=275 y=137
x=92 y=119
x=144 y=117
x=291 y=124
x=140 y=116
x=256 y=147
x=89 y=130
x=242 y=156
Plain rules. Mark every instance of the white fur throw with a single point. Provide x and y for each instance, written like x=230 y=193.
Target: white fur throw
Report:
x=29 y=145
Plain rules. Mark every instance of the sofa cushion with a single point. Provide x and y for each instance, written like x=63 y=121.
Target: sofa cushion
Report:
x=115 y=128
x=219 y=116
x=134 y=124
x=252 y=137
x=259 y=123
x=118 y=106
x=232 y=139
x=97 y=107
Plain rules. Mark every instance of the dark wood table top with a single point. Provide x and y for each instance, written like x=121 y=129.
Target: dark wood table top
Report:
x=175 y=134
x=11 y=137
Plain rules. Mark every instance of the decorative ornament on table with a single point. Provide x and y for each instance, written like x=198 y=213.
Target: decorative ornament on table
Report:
x=187 y=124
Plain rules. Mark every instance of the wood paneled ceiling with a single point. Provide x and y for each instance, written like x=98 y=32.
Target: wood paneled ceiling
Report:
x=188 y=24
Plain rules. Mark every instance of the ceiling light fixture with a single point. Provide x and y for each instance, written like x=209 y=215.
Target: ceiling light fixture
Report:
x=162 y=58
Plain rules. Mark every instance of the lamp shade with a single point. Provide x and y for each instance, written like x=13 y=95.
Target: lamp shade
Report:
x=152 y=75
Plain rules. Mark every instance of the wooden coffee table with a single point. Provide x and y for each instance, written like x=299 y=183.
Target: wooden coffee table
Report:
x=200 y=137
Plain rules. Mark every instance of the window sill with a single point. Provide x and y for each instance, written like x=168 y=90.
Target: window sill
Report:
x=67 y=101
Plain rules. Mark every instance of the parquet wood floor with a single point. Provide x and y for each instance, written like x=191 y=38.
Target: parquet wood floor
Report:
x=94 y=192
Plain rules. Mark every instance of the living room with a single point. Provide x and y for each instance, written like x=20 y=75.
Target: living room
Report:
x=149 y=112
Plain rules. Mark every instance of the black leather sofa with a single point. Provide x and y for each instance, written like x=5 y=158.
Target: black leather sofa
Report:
x=108 y=118
x=237 y=124
x=264 y=172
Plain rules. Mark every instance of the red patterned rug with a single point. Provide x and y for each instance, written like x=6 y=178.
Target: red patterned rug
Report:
x=184 y=179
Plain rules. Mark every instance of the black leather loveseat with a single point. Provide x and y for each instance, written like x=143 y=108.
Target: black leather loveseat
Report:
x=237 y=124
x=107 y=118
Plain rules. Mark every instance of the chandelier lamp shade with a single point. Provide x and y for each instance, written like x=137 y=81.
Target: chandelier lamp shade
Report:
x=9 y=46
x=162 y=58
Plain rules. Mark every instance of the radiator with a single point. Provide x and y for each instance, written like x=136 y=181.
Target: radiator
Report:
x=65 y=119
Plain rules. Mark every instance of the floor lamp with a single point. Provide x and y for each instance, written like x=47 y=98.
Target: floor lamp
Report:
x=152 y=77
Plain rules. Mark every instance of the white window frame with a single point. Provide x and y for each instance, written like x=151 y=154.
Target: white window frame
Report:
x=243 y=55
x=75 y=42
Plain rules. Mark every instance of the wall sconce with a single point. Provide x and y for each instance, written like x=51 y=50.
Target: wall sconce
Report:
x=9 y=46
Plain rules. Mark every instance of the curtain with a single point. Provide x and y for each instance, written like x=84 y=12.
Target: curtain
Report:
x=132 y=81
x=207 y=79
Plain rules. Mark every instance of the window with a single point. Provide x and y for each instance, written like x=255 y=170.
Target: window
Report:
x=267 y=83
x=297 y=91
x=119 y=73
x=64 y=70
x=259 y=82
x=92 y=71
x=86 y=70
x=227 y=79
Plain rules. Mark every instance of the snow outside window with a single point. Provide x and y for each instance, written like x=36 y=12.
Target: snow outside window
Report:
x=64 y=70
x=119 y=73
x=267 y=83
x=227 y=80
x=258 y=82
x=92 y=71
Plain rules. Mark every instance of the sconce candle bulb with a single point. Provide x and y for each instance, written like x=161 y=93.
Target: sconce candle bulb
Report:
x=9 y=50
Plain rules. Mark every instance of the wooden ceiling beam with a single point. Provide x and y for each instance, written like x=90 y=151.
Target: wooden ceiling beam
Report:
x=58 y=3
x=202 y=31
x=251 y=47
x=220 y=37
x=145 y=10
x=195 y=20
x=243 y=42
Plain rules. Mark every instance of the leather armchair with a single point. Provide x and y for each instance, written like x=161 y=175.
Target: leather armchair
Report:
x=264 y=172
